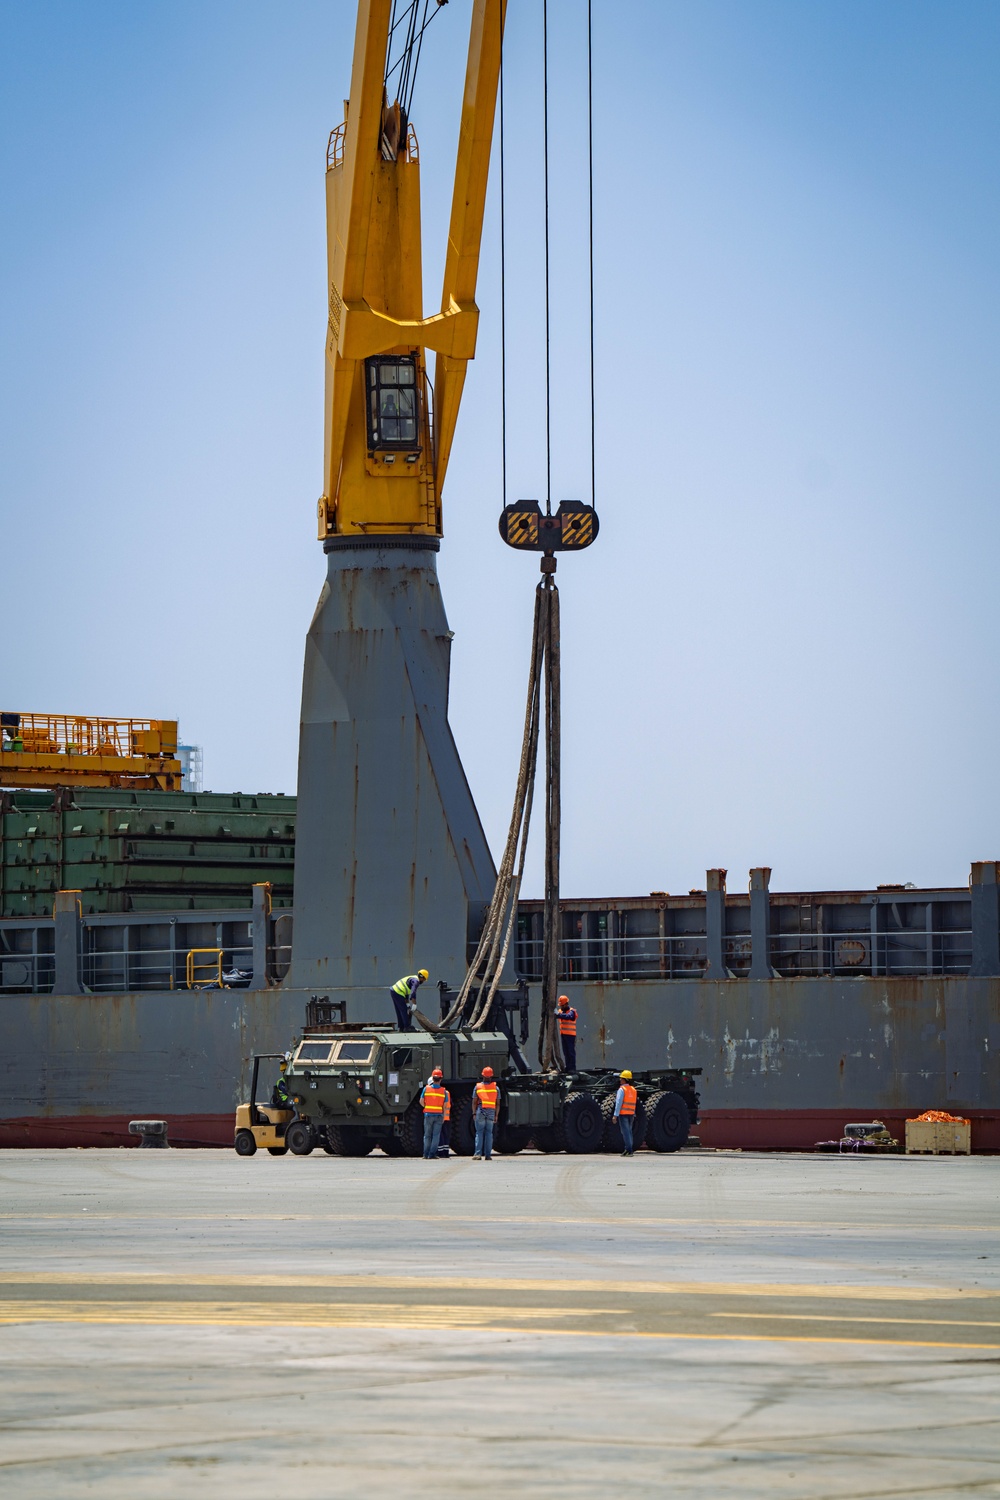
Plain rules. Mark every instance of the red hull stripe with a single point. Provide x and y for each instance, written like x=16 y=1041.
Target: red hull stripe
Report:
x=749 y=1129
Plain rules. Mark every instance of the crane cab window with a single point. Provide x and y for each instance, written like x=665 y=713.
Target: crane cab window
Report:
x=392 y=403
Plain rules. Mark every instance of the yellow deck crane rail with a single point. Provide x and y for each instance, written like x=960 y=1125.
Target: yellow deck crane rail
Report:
x=46 y=750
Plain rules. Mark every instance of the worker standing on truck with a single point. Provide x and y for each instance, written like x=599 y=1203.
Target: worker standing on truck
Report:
x=403 y=995
x=485 y=1101
x=625 y=1110
x=567 y=1018
x=434 y=1100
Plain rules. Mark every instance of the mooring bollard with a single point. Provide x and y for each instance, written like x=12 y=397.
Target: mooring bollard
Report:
x=153 y=1132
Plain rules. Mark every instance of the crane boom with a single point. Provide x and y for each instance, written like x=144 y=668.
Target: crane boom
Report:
x=384 y=465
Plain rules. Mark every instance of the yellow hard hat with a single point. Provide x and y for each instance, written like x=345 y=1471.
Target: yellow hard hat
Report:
x=282 y=1065
x=422 y=974
x=626 y=1074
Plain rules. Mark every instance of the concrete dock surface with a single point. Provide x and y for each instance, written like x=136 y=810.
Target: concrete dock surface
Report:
x=190 y=1323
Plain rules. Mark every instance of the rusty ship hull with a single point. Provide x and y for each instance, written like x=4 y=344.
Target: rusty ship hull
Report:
x=786 y=1062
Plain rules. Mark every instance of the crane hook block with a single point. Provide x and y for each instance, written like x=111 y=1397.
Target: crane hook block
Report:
x=573 y=527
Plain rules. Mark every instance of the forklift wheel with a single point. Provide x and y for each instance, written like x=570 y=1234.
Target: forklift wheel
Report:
x=245 y=1143
x=277 y=1150
x=299 y=1138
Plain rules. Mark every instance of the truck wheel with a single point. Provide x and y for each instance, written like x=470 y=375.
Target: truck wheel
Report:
x=544 y=1139
x=277 y=1150
x=581 y=1127
x=245 y=1143
x=412 y=1136
x=669 y=1122
x=511 y=1140
x=299 y=1138
x=326 y=1142
x=612 y=1137
x=348 y=1142
x=463 y=1128
x=392 y=1145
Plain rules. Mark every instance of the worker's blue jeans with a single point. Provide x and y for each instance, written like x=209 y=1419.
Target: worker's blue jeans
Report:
x=432 y=1134
x=484 y=1132
x=568 y=1045
x=625 y=1126
x=402 y=1011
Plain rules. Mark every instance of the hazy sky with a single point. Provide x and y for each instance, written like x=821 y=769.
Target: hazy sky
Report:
x=782 y=650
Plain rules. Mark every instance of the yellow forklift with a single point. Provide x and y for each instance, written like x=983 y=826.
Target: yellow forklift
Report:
x=262 y=1121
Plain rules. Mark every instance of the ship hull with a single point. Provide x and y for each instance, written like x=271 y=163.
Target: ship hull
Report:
x=786 y=1062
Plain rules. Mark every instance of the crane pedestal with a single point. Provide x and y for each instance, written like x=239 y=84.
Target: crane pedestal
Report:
x=392 y=868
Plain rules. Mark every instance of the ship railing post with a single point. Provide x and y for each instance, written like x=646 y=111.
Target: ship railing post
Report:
x=715 y=924
x=67 y=924
x=985 y=893
x=760 y=924
x=260 y=923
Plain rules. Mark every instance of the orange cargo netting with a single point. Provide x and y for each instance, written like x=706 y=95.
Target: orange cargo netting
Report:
x=941 y=1117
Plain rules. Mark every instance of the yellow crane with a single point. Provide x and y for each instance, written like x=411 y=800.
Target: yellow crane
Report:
x=46 y=750
x=387 y=440
x=390 y=856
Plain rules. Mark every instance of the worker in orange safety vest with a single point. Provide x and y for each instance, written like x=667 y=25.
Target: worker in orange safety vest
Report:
x=625 y=1110
x=567 y=1018
x=434 y=1100
x=485 y=1102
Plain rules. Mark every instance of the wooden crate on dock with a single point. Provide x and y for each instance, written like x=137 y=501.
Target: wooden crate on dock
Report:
x=938 y=1137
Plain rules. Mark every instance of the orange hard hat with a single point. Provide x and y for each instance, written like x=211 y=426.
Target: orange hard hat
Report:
x=487 y=1072
x=437 y=1073
x=563 y=1000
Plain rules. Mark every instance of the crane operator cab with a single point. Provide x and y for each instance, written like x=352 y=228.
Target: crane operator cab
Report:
x=265 y=1118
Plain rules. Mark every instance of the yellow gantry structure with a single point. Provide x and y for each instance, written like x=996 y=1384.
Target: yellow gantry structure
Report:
x=387 y=440
x=49 y=750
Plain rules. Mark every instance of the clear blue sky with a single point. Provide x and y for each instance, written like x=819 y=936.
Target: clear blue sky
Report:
x=782 y=649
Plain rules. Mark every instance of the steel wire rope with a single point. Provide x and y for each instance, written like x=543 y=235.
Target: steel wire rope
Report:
x=545 y=159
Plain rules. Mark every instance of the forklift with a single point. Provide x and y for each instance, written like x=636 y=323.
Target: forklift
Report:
x=261 y=1122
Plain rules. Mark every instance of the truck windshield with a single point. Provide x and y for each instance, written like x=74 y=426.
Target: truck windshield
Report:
x=355 y=1052
x=314 y=1052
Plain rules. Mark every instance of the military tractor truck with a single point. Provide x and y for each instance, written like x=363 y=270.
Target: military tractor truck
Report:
x=356 y=1087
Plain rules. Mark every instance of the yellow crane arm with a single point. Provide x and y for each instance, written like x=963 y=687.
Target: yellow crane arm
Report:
x=468 y=205
x=384 y=465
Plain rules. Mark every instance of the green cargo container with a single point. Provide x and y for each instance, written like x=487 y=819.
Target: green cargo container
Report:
x=143 y=851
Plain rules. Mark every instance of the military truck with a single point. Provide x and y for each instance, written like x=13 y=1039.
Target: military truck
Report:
x=356 y=1087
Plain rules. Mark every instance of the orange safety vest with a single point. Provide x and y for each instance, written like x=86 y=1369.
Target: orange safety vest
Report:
x=486 y=1095
x=567 y=1021
x=433 y=1099
x=447 y=1108
x=628 y=1101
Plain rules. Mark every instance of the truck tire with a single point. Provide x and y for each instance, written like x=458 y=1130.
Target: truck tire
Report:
x=392 y=1145
x=277 y=1150
x=669 y=1122
x=348 y=1142
x=612 y=1138
x=412 y=1137
x=299 y=1138
x=245 y=1143
x=326 y=1142
x=463 y=1128
x=581 y=1125
x=510 y=1140
x=544 y=1139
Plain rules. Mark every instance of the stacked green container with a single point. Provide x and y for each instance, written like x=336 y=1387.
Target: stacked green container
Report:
x=143 y=851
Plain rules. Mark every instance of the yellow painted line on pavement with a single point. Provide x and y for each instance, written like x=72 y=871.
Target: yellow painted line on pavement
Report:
x=865 y=1293
x=846 y=1318
x=321 y=1314
x=440 y=1319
